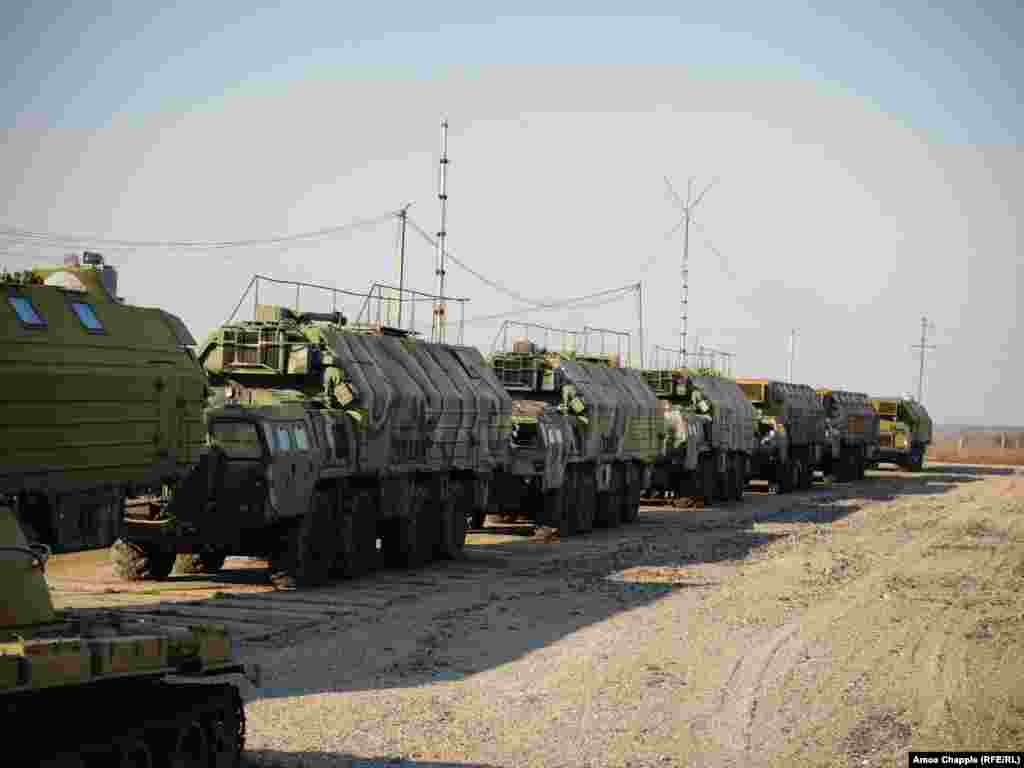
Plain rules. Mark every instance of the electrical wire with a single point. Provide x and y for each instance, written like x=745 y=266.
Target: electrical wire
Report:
x=32 y=237
x=487 y=281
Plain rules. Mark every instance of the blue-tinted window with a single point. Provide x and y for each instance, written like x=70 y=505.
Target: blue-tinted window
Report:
x=26 y=311
x=87 y=316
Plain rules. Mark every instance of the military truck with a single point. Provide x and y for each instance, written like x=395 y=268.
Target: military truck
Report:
x=100 y=403
x=905 y=432
x=80 y=689
x=708 y=436
x=325 y=438
x=596 y=435
x=790 y=432
x=851 y=434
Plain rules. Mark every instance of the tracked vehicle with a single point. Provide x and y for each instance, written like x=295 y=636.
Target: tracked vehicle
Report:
x=82 y=690
x=852 y=434
x=326 y=438
x=709 y=436
x=905 y=431
x=592 y=435
x=790 y=432
x=100 y=403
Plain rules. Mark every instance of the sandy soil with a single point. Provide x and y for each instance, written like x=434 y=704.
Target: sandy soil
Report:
x=844 y=626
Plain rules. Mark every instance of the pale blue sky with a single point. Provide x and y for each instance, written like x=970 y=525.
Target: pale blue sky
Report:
x=870 y=160
x=952 y=67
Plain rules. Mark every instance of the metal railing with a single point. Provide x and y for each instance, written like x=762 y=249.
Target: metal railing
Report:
x=381 y=305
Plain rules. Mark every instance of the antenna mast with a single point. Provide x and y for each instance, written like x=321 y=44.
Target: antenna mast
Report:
x=403 y=215
x=684 y=304
x=922 y=347
x=442 y=195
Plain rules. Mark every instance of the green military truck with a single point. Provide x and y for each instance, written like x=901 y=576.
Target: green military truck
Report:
x=708 y=436
x=100 y=403
x=852 y=434
x=82 y=688
x=602 y=422
x=790 y=432
x=326 y=438
x=905 y=432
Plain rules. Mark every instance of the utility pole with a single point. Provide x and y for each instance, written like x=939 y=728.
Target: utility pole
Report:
x=687 y=208
x=403 y=216
x=792 y=354
x=921 y=348
x=442 y=196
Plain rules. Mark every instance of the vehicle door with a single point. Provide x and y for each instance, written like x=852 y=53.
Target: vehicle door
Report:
x=305 y=464
x=283 y=470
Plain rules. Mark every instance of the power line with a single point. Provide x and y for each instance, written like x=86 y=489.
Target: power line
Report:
x=33 y=237
x=593 y=300
x=482 y=278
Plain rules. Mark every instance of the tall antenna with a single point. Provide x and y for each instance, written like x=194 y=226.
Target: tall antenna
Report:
x=687 y=209
x=922 y=347
x=792 y=355
x=403 y=215
x=442 y=195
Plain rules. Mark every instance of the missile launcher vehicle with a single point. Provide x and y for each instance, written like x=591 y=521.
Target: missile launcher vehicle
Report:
x=905 y=432
x=708 y=436
x=100 y=403
x=790 y=432
x=852 y=434
x=596 y=434
x=326 y=438
x=79 y=689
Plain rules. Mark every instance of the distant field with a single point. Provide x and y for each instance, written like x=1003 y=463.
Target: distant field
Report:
x=981 y=452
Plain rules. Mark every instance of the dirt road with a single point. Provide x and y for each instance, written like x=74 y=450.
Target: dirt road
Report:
x=843 y=627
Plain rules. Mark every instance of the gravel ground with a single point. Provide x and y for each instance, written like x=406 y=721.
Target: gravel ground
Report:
x=848 y=625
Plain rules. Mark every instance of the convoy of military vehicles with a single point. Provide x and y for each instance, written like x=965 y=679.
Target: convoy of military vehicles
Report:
x=328 y=448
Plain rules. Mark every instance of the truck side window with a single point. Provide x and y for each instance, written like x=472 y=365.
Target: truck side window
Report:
x=239 y=439
x=301 y=438
x=26 y=311
x=87 y=317
x=283 y=439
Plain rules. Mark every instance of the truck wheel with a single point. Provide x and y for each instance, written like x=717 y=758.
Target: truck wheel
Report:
x=586 y=502
x=739 y=476
x=784 y=476
x=726 y=481
x=134 y=753
x=806 y=478
x=310 y=549
x=708 y=480
x=555 y=511
x=453 y=530
x=210 y=560
x=136 y=561
x=916 y=463
x=190 y=748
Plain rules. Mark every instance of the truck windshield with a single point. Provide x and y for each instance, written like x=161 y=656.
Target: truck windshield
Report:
x=239 y=439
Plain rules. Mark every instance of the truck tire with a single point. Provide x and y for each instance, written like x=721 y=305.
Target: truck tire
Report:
x=453 y=530
x=309 y=549
x=556 y=512
x=739 y=476
x=784 y=476
x=138 y=561
x=210 y=560
x=708 y=480
x=916 y=463
x=807 y=478
x=586 y=501
x=728 y=480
